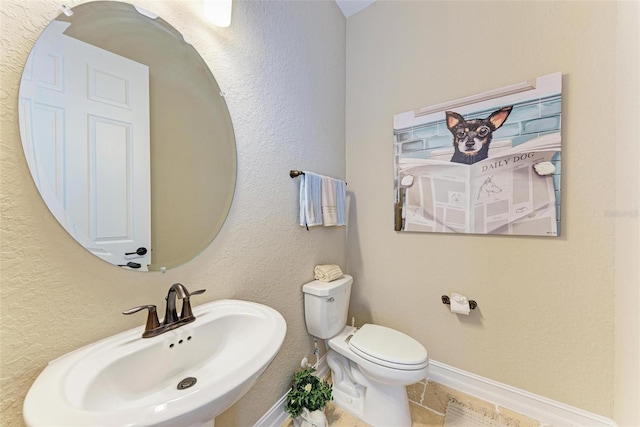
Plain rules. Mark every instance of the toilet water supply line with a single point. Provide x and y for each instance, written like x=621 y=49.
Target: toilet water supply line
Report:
x=316 y=351
x=305 y=362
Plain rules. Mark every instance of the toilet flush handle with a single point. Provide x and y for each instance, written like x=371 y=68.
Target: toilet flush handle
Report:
x=330 y=299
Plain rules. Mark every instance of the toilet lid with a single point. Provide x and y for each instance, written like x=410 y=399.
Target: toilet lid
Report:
x=388 y=347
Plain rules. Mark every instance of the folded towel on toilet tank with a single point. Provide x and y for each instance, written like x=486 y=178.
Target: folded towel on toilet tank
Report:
x=327 y=272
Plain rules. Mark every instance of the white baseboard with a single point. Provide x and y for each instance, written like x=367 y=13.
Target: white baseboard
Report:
x=549 y=412
x=275 y=416
x=532 y=405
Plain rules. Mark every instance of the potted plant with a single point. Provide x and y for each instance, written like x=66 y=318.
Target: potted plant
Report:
x=307 y=398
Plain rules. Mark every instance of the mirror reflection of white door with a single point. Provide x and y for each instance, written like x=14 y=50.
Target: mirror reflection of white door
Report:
x=91 y=148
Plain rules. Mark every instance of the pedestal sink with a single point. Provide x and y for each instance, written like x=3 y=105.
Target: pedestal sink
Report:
x=184 y=377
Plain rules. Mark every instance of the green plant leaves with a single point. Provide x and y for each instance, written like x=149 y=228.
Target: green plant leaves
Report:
x=307 y=391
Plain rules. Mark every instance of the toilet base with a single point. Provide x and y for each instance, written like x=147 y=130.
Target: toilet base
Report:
x=380 y=405
x=390 y=408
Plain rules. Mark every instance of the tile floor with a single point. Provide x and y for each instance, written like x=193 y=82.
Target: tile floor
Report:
x=338 y=417
x=428 y=403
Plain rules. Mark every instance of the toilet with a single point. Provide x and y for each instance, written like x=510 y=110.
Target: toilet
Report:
x=370 y=365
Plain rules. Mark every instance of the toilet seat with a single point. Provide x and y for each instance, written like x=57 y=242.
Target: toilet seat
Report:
x=388 y=347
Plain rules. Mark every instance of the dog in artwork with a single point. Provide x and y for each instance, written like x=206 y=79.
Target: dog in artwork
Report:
x=487 y=188
x=471 y=138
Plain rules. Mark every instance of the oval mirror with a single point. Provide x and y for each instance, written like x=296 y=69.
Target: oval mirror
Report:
x=127 y=136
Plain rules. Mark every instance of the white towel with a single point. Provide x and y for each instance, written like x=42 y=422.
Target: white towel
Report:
x=327 y=272
x=333 y=201
x=310 y=199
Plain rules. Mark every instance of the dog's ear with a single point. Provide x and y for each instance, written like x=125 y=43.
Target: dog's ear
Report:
x=453 y=119
x=497 y=118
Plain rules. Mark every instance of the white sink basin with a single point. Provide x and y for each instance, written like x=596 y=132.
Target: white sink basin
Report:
x=126 y=380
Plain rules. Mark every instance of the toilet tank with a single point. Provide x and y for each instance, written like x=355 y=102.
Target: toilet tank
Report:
x=326 y=305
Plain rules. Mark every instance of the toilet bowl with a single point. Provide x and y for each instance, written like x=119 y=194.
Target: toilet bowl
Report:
x=371 y=365
x=380 y=358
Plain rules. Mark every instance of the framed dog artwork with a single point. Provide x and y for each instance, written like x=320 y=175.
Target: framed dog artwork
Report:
x=485 y=164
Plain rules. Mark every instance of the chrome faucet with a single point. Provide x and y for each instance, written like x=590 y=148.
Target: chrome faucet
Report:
x=171 y=319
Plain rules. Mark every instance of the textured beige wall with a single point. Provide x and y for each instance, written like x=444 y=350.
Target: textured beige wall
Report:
x=627 y=220
x=282 y=66
x=545 y=321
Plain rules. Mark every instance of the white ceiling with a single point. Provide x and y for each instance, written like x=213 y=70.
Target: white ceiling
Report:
x=349 y=7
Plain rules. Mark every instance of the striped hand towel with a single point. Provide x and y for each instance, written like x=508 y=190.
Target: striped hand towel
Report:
x=310 y=199
x=333 y=201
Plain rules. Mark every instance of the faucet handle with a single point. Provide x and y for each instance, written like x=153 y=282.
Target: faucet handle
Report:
x=152 y=318
x=187 y=315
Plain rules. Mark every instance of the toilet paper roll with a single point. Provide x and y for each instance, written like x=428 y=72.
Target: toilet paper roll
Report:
x=459 y=304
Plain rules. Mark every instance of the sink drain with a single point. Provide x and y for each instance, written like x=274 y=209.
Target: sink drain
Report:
x=186 y=383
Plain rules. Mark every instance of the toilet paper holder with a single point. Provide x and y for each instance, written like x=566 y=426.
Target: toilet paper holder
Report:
x=472 y=303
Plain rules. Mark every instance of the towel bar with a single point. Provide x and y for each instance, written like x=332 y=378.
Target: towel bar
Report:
x=296 y=173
